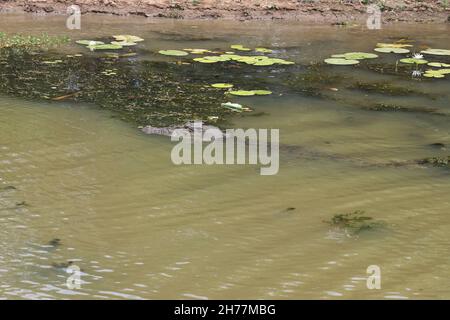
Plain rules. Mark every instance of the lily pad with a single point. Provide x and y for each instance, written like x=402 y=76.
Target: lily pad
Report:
x=391 y=50
x=439 y=65
x=262 y=92
x=438 y=52
x=356 y=55
x=203 y=60
x=108 y=46
x=341 y=62
x=222 y=85
x=433 y=74
x=263 y=50
x=175 y=53
x=240 y=47
x=413 y=61
x=128 y=38
x=242 y=93
x=124 y=43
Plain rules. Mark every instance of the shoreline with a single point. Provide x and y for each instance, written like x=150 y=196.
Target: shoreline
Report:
x=323 y=12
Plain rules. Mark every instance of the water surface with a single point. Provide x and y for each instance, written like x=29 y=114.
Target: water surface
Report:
x=141 y=228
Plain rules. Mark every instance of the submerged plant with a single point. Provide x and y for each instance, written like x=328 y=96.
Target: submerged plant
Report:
x=355 y=222
x=436 y=161
x=27 y=42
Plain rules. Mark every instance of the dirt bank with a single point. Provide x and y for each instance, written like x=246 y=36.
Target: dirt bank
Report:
x=323 y=11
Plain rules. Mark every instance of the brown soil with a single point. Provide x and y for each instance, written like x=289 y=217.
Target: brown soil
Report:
x=318 y=11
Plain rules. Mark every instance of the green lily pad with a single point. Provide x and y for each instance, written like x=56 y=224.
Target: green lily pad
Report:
x=356 y=55
x=391 y=50
x=175 y=53
x=89 y=42
x=263 y=50
x=242 y=93
x=439 y=65
x=433 y=74
x=240 y=47
x=203 y=60
x=128 y=38
x=341 y=62
x=438 y=52
x=413 y=61
x=222 y=85
x=106 y=47
x=124 y=43
x=263 y=63
x=262 y=92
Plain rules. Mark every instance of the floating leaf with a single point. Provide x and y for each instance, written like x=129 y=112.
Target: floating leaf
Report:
x=242 y=93
x=356 y=55
x=439 y=64
x=393 y=45
x=106 y=47
x=433 y=74
x=176 y=53
x=391 y=50
x=262 y=92
x=263 y=50
x=128 y=38
x=124 y=43
x=240 y=47
x=438 y=52
x=222 y=85
x=203 y=60
x=341 y=61
x=413 y=60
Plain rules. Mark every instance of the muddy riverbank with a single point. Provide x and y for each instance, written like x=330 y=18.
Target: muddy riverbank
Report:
x=324 y=12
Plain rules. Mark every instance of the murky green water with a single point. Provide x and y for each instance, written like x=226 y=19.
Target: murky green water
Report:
x=140 y=227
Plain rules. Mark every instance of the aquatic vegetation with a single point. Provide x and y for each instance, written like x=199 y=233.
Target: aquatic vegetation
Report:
x=240 y=47
x=139 y=92
x=393 y=45
x=434 y=74
x=436 y=161
x=108 y=46
x=247 y=93
x=341 y=61
x=262 y=92
x=413 y=61
x=235 y=107
x=384 y=88
x=242 y=93
x=263 y=50
x=439 y=65
x=438 y=52
x=28 y=42
x=89 y=42
x=175 y=53
x=355 y=222
x=222 y=85
x=123 y=43
x=391 y=50
x=384 y=107
x=355 y=56
x=128 y=38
